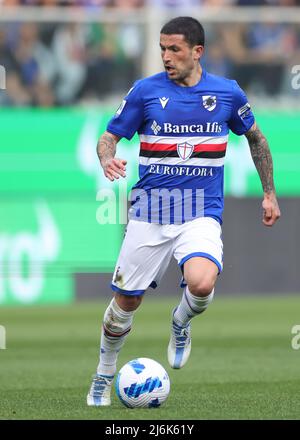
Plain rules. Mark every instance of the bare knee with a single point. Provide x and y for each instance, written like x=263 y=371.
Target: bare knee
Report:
x=128 y=303
x=201 y=287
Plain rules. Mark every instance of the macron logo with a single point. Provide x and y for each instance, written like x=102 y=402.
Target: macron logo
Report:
x=155 y=127
x=164 y=101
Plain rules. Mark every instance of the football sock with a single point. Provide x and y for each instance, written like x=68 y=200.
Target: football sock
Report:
x=191 y=306
x=116 y=326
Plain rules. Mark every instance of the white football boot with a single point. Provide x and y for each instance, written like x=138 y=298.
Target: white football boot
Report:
x=179 y=347
x=99 y=394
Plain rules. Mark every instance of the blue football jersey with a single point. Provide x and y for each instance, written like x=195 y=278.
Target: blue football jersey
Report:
x=183 y=135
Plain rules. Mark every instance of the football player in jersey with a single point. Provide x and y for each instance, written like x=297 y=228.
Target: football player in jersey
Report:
x=183 y=116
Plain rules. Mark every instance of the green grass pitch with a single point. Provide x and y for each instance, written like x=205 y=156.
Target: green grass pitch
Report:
x=242 y=364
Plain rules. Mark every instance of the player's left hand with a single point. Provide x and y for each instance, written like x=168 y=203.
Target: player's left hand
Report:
x=271 y=211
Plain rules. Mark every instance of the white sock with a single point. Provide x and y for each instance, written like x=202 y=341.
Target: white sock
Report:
x=191 y=306
x=116 y=326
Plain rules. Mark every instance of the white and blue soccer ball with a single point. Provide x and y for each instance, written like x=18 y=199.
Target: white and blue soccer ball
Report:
x=142 y=383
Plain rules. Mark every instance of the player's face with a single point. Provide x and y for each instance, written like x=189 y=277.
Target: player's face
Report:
x=180 y=60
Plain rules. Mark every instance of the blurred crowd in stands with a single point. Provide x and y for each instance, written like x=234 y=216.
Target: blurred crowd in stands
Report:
x=57 y=64
x=142 y=3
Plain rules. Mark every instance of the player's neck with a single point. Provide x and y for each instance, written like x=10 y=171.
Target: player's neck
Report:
x=192 y=79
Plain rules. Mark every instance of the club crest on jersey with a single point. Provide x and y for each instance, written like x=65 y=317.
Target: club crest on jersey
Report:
x=185 y=150
x=209 y=102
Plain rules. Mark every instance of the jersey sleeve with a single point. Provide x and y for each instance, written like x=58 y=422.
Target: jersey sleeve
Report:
x=130 y=114
x=242 y=118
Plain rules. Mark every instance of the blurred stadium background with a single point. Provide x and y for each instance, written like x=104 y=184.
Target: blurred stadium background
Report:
x=65 y=68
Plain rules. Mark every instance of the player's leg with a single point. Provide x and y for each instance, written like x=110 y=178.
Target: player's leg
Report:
x=199 y=253
x=142 y=257
x=117 y=323
x=200 y=275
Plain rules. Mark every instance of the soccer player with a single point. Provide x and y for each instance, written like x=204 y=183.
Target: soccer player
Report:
x=183 y=116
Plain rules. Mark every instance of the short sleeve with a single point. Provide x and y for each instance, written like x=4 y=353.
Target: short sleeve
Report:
x=242 y=118
x=130 y=114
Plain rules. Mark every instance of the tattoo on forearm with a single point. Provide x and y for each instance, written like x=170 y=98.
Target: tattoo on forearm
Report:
x=106 y=147
x=262 y=158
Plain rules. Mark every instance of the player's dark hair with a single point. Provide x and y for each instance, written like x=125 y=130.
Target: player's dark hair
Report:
x=189 y=27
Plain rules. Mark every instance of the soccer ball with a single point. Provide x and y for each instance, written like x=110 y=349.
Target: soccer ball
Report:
x=142 y=383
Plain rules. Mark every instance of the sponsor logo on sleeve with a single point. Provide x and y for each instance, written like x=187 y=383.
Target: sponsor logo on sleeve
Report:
x=121 y=108
x=244 y=110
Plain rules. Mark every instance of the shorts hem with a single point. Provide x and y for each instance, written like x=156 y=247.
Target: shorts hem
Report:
x=202 y=254
x=127 y=292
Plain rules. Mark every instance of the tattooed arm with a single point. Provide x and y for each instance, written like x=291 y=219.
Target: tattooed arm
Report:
x=106 y=149
x=262 y=159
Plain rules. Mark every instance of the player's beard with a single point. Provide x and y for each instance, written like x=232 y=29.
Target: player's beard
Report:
x=178 y=75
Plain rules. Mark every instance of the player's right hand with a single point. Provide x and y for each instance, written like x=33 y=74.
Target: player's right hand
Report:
x=271 y=211
x=114 y=168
